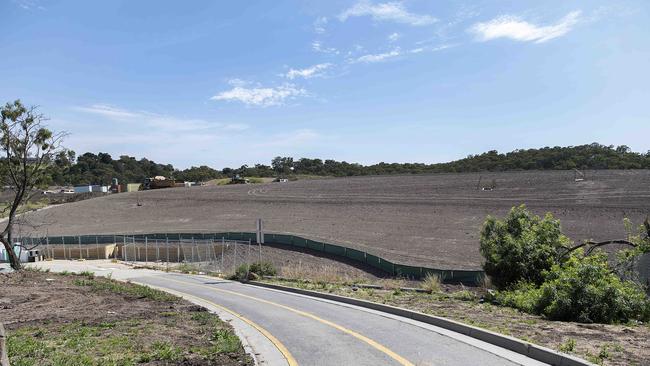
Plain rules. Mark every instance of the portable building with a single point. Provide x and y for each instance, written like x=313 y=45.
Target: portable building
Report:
x=83 y=189
x=133 y=187
x=98 y=188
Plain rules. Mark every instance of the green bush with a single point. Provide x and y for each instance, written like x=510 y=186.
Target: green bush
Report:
x=582 y=289
x=257 y=269
x=263 y=269
x=520 y=247
x=585 y=289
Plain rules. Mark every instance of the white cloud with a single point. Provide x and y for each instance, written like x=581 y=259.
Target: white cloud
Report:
x=260 y=96
x=513 y=27
x=29 y=4
x=391 y=11
x=108 y=111
x=378 y=57
x=307 y=73
x=393 y=37
x=318 y=47
x=158 y=122
x=320 y=24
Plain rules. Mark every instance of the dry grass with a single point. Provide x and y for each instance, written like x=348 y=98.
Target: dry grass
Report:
x=431 y=283
x=319 y=274
x=392 y=283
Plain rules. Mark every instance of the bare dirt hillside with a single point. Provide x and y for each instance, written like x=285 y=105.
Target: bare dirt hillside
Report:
x=431 y=220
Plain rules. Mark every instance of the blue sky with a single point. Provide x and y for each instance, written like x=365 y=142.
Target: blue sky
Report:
x=231 y=83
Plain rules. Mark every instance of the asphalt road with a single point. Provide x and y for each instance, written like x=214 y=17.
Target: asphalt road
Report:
x=288 y=329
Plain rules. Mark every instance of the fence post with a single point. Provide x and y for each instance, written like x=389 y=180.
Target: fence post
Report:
x=63 y=241
x=79 y=239
x=146 y=249
x=157 y=251
x=47 y=243
x=248 y=259
x=223 y=244
x=97 y=248
x=167 y=246
x=123 y=248
x=234 y=260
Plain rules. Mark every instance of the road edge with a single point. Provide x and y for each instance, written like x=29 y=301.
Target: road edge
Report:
x=527 y=349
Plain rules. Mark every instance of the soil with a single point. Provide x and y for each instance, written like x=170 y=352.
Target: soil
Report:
x=52 y=304
x=428 y=220
x=599 y=343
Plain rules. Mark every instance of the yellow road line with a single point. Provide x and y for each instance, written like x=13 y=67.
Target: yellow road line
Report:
x=401 y=360
x=281 y=347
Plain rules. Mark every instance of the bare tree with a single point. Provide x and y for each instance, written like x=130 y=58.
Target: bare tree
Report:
x=27 y=149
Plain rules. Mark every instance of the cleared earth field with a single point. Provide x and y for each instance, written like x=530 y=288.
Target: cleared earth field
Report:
x=431 y=220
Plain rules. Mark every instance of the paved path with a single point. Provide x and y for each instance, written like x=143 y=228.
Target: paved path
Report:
x=288 y=329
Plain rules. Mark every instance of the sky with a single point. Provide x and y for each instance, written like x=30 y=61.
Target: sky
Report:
x=227 y=83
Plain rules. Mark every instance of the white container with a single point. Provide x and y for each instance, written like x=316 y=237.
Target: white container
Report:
x=83 y=189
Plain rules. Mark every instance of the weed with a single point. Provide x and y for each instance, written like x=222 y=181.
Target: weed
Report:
x=464 y=295
x=225 y=341
x=568 y=346
x=431 y=283
x=88 y=274
x=129 y=289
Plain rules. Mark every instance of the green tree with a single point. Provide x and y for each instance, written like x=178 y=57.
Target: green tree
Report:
x=28 y=150
x=521 y=246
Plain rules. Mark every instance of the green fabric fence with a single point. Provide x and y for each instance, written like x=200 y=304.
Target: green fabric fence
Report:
x=458 y=276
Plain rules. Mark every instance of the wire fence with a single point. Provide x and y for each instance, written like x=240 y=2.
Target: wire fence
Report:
x=214 y=255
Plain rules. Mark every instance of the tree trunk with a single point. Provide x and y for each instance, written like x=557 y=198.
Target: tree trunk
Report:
x=14 y=261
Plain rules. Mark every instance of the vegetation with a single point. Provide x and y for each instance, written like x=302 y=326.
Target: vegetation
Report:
x=431 y=283
x=521 y=246
x=27 y=150
x=100 y=168
x=128 y=289
x=539 y=272
x=247 y=272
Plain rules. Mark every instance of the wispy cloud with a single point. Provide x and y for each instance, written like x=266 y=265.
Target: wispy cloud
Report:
x=29 y=4
x=160 y=122
x=309 y=72
x=515 y=28
x=260 y=96
x=393 y=37
x=377 y=57
x=320 y=24
x=318 y=47
x=391 y=11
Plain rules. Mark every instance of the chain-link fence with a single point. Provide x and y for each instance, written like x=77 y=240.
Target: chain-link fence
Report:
x=214 y=255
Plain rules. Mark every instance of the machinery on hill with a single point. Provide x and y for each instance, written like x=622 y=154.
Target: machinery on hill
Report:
x=236 y=179
x=159 y=182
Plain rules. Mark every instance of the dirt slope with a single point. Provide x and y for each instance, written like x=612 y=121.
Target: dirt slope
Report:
x=431 y=220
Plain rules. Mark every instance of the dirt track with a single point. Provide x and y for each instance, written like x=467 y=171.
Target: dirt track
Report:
x=431 y=220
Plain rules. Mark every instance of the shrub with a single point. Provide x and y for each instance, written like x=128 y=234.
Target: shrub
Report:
x=247 y=272
x=520 y=247
x=523 y=296
x=263 y=269
x=585 y=289
x=582 y=289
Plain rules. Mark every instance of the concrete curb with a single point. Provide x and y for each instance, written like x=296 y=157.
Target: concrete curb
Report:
x=533 y=351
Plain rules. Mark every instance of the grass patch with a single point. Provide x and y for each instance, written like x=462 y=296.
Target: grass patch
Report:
x=127 y=289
